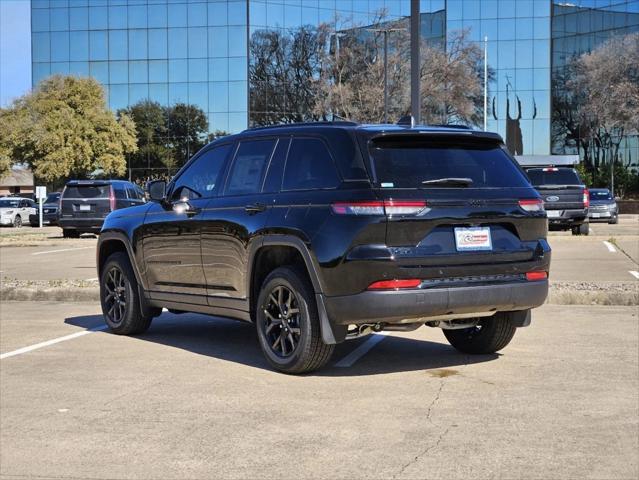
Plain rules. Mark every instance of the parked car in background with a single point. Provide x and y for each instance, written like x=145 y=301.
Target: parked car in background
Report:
x=14 y=211
x=328 y=231
x=603 y=207
x=566 y=198
x=84 y=204
x=49 y=211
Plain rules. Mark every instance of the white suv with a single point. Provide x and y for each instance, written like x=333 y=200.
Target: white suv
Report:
x=15 y=210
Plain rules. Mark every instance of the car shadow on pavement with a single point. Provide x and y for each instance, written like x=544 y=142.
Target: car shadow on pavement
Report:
x=237 y=342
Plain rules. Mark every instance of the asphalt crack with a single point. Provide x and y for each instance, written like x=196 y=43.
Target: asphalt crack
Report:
x=440 y=437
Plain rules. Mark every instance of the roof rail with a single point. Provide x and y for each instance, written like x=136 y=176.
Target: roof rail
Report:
x=452 y=125
x=319 y=123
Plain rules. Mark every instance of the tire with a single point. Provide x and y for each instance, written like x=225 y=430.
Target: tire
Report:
x=119 y=297
x=70 y=233
x=584 y=229
x=302 y=350
x=489 y=336
x=17 y=221
x=615 y=220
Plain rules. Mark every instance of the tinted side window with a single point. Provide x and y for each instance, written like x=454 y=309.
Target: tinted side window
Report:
x=120 y=193
x=273 y=180
x=200 y=178
x=309 y=166
x=249 y=166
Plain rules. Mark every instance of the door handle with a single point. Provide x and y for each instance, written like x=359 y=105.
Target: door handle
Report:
x=254 y=208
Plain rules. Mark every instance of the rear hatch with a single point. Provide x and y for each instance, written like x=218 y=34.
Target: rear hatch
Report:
x=560 y=188
x=90 y=199
x=455 y=200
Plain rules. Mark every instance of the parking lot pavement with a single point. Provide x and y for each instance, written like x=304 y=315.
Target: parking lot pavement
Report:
x=628 y=225
x=74 y=261
x=590 y=259
x=193 y=398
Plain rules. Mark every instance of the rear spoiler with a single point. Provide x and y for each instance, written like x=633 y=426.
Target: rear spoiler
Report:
x=87 y=183
x=457 y=135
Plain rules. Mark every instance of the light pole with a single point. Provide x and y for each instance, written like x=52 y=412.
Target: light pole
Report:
x=415 y=102
x=385 y=32
x=337 y=36
x=485 y=83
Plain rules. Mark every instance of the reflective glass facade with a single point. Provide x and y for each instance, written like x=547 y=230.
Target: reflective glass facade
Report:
x=199 y=51
x=579 y=27
x=169 y=51
x=518 y=35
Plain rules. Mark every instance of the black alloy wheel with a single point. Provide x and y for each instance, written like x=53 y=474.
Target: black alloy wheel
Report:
x=282 y=323
x=115 y=299
x=287 y=322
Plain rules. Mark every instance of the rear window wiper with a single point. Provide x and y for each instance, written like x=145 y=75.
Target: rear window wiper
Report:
x=449 y=181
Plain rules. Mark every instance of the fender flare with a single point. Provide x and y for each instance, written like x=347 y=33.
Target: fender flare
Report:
x=331 y=334
x=121 y=237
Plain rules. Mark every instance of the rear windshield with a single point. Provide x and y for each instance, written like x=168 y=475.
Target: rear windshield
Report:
x=87 y=191
x=419 y=164
x=6 y=203
x=605 y=195
x=546 y=176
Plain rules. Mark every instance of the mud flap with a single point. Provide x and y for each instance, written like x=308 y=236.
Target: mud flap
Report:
x=331 y=334
x=520 y=319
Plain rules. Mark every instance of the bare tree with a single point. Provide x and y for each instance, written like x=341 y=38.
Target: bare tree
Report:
x=284 y=72
x=352 y=84
x=452 y=81
x=605 y=90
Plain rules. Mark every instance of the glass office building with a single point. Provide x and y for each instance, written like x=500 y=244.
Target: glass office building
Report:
x=199 y=52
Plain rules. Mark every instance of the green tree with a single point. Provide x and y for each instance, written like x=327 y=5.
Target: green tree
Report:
x=152 y=132
x=63 y=128
x=188 y=129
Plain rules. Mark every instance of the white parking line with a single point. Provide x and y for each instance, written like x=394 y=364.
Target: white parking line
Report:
x=611 y=247
x=61 y=250
x=53 y=341
x=634 y=274
x=95 y=279
x=360 y=351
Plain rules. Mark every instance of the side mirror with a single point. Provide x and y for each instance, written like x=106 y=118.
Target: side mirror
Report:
x=157 y=190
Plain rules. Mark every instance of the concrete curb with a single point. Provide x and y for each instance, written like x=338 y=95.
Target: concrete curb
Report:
x=50 y=294
x=625 y=294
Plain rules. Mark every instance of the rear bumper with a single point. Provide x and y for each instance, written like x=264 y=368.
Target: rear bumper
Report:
x=568 y=217
x=413 y=306
x=47 y=219
x=82 y=224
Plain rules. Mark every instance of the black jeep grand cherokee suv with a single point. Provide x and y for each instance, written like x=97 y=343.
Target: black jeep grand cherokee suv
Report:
x=322 y=232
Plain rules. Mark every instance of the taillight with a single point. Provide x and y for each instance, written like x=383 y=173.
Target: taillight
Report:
x=60 y=200
x=381 y=207
x=532 y=205
x=586 y=198
x=536 y=275
x=550 y=169
x=111 y=198
x=395 y=284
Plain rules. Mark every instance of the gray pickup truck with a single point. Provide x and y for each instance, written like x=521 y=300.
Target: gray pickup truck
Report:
x=566 y=198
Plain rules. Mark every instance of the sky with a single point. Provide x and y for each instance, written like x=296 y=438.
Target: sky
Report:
x=15 y=49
